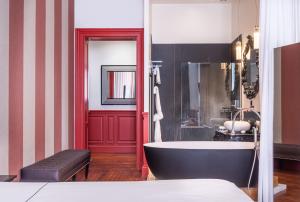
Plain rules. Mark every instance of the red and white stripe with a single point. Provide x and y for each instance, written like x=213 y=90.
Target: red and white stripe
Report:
x=36 y=80
x=40 y=67
x=49 y=80
x=4 y=80
x=29 y=69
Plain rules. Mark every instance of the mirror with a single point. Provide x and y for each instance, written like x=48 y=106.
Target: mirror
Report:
x=206 y=104
x=118 y=85
x=250 y=72
x=121 y=85
x=232 y=82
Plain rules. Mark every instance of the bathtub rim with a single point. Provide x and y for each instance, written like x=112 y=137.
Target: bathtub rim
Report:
x=202 y=145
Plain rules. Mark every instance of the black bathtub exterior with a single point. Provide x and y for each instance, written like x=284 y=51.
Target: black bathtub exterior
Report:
x=233 y=165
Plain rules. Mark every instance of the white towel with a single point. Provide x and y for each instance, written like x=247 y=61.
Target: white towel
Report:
x=156 y=72
x=157 y=116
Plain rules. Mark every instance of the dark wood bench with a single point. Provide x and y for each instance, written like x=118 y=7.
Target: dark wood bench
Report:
x=60 y=167
x=7 y=178
x=287 y=152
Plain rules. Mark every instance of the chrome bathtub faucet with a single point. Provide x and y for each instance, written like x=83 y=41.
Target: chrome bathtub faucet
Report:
x=250 y=109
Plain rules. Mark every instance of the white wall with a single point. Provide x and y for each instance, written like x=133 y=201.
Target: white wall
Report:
x=245 y=16
x=191 y=23
x=109 y=13
x=115 y=14
x=4 y=86
x=147 y=53
x=107 y=53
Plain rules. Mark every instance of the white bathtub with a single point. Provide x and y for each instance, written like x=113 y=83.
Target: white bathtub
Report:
x=202 y=145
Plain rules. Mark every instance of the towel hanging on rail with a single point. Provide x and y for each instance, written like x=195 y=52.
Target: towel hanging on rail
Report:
x=157 y=116
x=156 y=72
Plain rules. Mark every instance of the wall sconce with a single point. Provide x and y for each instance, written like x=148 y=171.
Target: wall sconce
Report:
x=256 y=37
x=223 y=65
x=238 y=50
x=248 y=56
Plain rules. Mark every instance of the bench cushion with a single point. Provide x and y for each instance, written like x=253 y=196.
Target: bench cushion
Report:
x=58 y=167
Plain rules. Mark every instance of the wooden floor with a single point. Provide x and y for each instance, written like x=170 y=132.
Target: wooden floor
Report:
x=292 y=180
x=121 y=167
x=112 y=167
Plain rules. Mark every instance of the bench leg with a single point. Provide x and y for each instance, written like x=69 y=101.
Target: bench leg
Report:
x=74 y=178
x=87 y=171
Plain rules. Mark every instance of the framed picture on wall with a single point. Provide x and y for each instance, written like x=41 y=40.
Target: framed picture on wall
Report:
x=118 y=84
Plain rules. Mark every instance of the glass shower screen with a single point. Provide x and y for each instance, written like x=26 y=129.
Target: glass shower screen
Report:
x=207 y=90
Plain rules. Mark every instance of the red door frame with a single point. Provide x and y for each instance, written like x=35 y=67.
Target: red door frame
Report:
x=81 y=100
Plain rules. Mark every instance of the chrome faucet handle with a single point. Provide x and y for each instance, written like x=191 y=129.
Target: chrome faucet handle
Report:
x=255 y=133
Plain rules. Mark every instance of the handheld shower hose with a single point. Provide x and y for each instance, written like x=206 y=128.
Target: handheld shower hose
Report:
x=256 y=155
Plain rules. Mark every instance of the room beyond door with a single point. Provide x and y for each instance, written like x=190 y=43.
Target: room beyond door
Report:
x=111 y=125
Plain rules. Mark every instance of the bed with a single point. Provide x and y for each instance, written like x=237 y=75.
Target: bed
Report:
x=18 y=191
x=196 y=190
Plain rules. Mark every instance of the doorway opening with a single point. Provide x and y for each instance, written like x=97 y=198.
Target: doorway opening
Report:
x=109 y=91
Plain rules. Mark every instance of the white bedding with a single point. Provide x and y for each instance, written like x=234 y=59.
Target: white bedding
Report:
x=206 y=190
x=15 y=191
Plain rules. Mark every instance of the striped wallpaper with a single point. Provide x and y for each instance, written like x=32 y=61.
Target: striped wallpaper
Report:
x=36 y=80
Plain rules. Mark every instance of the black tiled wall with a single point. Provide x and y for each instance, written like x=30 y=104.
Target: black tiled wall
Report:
x=173 y=55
